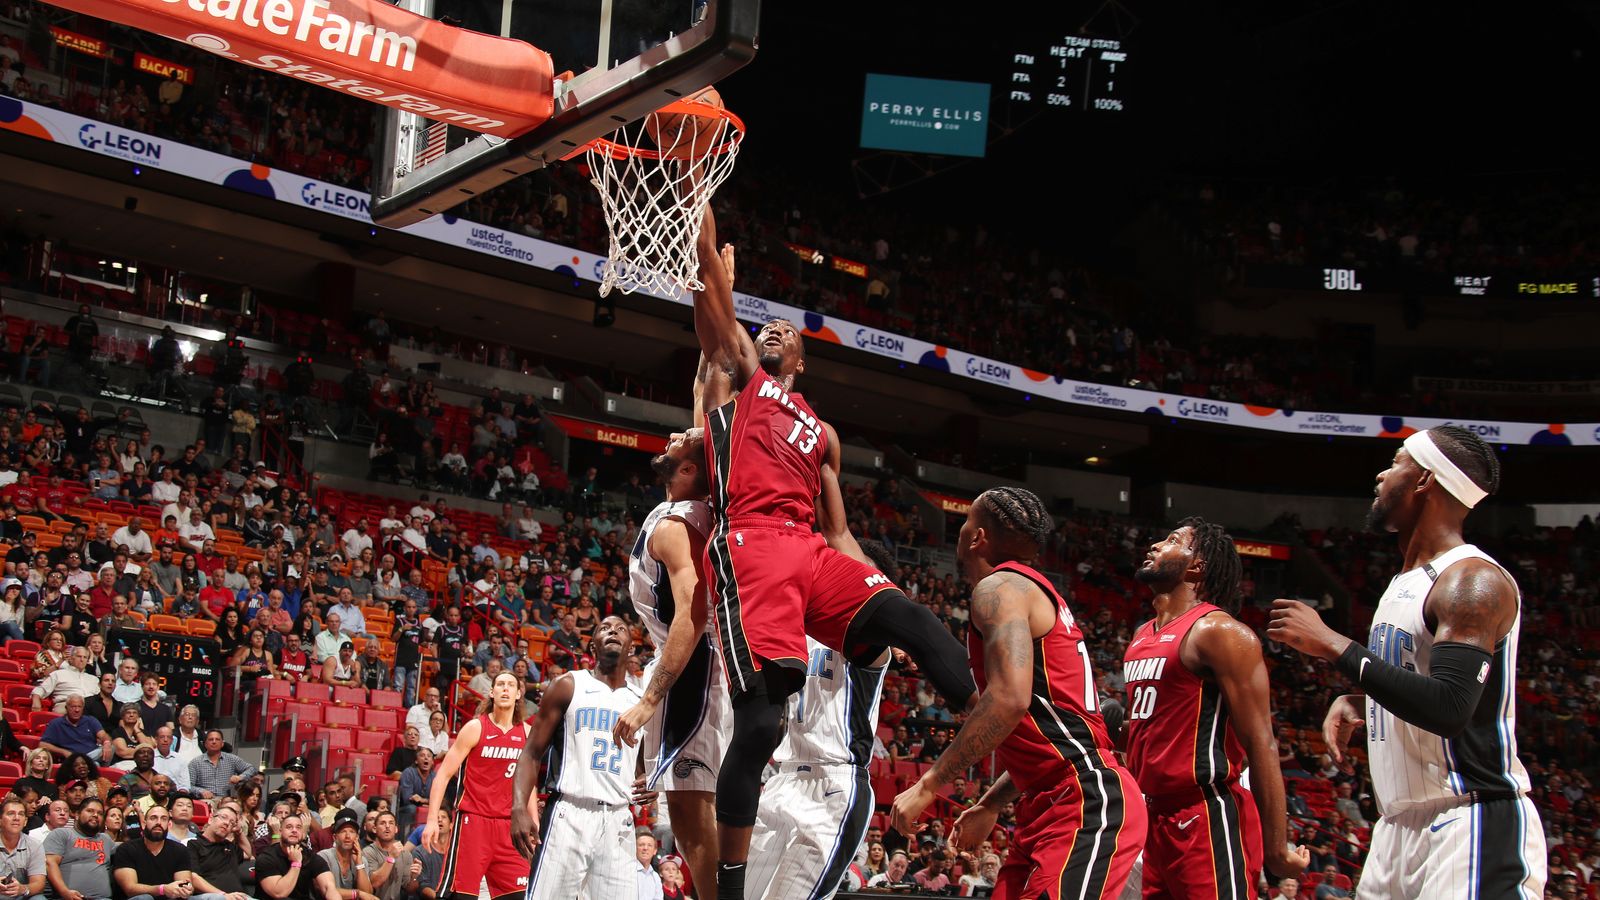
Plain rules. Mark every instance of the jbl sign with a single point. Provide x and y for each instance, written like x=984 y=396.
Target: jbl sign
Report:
x=1340 y=280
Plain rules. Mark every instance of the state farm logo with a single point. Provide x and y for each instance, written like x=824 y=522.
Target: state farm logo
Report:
x=212 y=44
x=312 y=23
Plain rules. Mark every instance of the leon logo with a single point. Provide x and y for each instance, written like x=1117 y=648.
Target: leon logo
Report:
x=121 y=144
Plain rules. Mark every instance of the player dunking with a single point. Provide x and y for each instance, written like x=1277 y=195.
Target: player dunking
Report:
x=584 y=840
x=814 y=813
x=1081 y=823
x=774 y=471
x=685 y=713
x=485 y=753
x=1439 y=675
x=1198 y=711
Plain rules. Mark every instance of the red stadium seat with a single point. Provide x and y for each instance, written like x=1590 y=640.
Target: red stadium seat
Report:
x=350 y=696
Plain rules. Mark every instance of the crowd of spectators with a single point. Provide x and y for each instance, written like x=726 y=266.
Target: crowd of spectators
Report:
x=1004 y=296
x=1515 y=222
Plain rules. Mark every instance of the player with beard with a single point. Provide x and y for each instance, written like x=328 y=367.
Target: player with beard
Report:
x=1198 y=711
x=685 y=713
x=1081 y=820
x=583 y=841
x=781 y=563
x=485 y=752
x=1438 y=673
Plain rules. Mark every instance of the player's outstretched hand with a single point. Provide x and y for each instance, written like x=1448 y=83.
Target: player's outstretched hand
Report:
x=626 y=731
x=1299 y=626
x=728 y=261
x=430 y=835
x=1286 y=863
x=1344 y=717
x=909 y=807
x=524 y=831
x=973 y=827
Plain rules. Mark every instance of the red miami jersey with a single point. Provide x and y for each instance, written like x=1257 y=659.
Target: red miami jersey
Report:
x=765 y=449
x=1178 y=730
x=488 y=770
x=1062 y=737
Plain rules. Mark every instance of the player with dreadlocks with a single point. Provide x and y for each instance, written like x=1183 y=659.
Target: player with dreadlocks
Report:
x=1199 y=712
x=1081 y=823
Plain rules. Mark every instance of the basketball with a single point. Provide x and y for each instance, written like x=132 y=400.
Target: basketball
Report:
x=685 y=135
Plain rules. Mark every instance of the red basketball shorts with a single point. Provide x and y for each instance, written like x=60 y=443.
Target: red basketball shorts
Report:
x=773 y=583
x=1079 y=840
x=481 y=848
x=1206 y=845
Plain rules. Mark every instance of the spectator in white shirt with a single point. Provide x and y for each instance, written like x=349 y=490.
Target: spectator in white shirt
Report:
x=417 y=716
x=423 y=511
x=134 y=537
x=356 y=539
x=166 y=491
x=196 y=532
x=168 y=762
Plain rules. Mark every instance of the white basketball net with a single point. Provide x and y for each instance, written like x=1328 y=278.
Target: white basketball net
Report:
x=654 y=201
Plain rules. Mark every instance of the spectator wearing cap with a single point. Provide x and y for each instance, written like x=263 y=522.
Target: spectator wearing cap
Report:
x=70 y=681
x=342 y=669
x=214 y=773
x=134 y=538
x=22 y=553
x=13 y=611
x=344 y=858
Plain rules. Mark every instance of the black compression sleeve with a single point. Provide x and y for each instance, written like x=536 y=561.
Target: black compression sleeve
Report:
x=1441 y=702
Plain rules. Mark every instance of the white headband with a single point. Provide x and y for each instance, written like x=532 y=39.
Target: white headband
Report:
x=1450 y=477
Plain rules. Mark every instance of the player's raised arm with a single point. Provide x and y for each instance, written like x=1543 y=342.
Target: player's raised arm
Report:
x=1002 y=612
x=730 y=354
x=1473 y=603
x=680 y=549
x=524 y=788
x=464 y=743
x=1231 y=651
x=832 y=520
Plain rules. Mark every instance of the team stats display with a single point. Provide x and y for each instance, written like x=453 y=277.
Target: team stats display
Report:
x=1069 y=72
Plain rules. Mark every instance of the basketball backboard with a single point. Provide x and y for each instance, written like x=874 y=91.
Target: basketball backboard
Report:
x=628 y=58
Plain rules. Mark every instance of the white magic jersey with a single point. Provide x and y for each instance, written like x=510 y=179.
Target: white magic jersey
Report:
x=832 y=719
x=1412 y=767
x=648 y=585
x=586 y=764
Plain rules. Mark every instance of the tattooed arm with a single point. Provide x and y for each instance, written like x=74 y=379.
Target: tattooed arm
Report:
x=680 y=549
x=1004 y=607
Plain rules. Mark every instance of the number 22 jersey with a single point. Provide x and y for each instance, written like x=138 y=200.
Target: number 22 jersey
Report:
x=586 y=764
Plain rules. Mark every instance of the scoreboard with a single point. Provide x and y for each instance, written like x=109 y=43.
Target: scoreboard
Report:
x=190 y=667
x=1069 y=72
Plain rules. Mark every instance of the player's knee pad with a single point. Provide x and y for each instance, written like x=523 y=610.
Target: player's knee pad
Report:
x=757 y=728
x=899 y=621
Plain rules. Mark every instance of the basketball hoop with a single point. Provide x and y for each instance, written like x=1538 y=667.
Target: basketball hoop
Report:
x=655 y=177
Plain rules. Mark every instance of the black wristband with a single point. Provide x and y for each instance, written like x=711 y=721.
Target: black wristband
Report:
x=1349 y=662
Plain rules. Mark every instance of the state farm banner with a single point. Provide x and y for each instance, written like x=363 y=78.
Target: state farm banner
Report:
x=308 y=193
x=366 y=48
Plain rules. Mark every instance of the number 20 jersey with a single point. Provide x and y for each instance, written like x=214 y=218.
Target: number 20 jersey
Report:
x=586 y=764
x=1179 y=735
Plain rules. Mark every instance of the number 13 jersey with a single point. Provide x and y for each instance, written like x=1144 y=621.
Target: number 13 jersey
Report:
x=1178 y=732
x=765 y=449
x=586 y=764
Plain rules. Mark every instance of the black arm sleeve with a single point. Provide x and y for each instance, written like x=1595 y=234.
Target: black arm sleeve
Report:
x=1441 y=702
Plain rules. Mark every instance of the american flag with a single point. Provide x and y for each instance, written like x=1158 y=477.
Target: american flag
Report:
x=433 y=145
